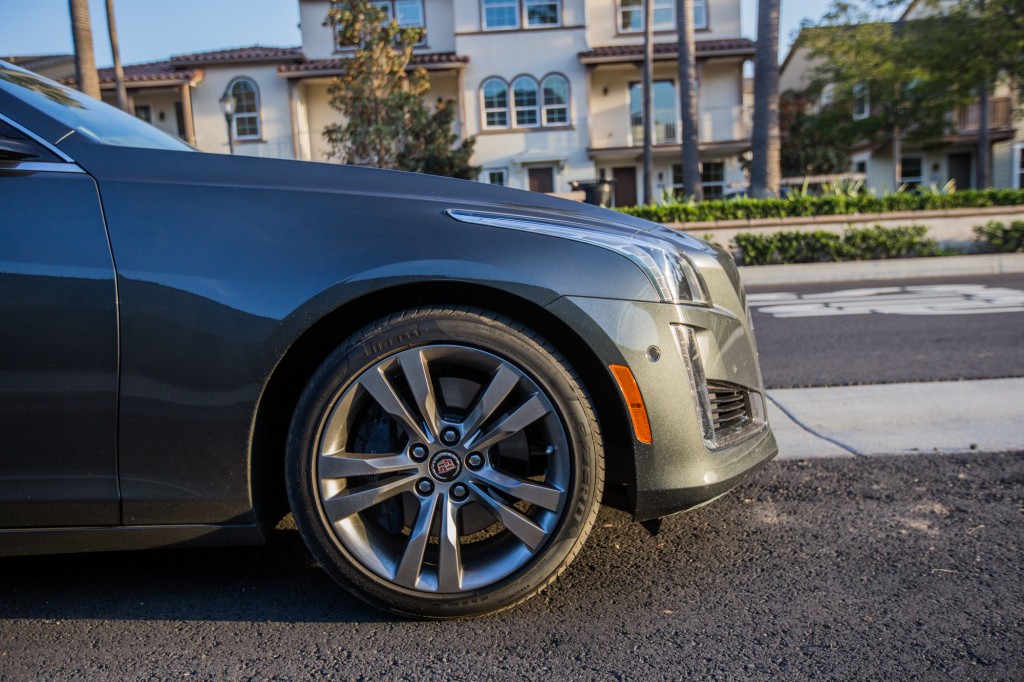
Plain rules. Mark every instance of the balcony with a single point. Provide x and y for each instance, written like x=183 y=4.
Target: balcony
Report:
x=717 y=127
x=967 y=120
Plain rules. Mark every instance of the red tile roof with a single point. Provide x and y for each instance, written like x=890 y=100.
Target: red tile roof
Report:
x=38 y=61
x=152 y=72
x=253 y=53
x=334 y=66
x=705 y=48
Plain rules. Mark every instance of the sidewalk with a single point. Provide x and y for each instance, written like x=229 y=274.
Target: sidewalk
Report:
x=890 y=419
x=874 y=270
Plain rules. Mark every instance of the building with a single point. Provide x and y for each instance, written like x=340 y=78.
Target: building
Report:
x=954 y=157
x=550 y=89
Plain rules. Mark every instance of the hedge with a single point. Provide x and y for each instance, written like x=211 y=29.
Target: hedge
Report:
x=802 y=206
x=996 y=236
x=819 y=246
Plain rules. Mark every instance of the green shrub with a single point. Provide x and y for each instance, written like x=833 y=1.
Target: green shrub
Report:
x=998 y=237
x=797 y=205
x=819 y=246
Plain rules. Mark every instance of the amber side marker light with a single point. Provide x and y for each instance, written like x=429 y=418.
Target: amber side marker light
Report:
x=637 y=410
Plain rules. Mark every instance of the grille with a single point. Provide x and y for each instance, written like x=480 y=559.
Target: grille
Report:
x=730 y=408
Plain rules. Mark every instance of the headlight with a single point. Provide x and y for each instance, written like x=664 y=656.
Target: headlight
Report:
x=671 y=274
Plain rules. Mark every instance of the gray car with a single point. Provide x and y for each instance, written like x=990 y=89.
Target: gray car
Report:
x=441 y=380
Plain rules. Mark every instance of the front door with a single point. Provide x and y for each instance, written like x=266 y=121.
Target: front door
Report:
x=542 y=179
x=960 y=169
x=58 y=344
x=624 y=181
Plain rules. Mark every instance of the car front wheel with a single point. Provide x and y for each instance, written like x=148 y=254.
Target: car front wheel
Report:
x=444 y=462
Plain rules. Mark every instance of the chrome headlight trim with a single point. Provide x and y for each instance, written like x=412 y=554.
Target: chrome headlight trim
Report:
x=671 y=274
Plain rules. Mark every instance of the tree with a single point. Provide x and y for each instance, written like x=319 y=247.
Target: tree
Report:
x=387 y=124
x=883 y=75
x=85 y=57
x=764 y=172
x=122 y=91
x=688 y=99
x=811 y=138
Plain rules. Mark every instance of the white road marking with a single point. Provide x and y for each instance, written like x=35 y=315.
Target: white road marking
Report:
x=935 y=299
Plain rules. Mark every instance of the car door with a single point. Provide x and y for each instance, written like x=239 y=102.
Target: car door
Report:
x=58 y=342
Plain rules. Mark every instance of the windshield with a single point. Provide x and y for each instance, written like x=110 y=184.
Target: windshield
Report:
x=83 y=114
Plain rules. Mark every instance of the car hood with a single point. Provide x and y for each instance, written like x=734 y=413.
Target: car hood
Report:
x=430 y=192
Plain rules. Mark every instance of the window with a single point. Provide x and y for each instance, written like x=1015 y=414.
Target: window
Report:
x=507 y=14
x=501 y=14
x=145 y=112
x=524 y=93
x=712 y=179
x=631 y=15
x=665 y=117
x=860 y=167
x=1018 y=166
x=911 y=170
x=861 y=102
x=556 y=101
x=495 y=176
x=495 y=104
x=408 y=13
x=246 y=120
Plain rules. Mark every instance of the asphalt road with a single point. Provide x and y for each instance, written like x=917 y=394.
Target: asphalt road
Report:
x=884 y=569
x=912 y=339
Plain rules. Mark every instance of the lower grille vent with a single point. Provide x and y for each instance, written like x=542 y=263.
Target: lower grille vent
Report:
x=730 y=408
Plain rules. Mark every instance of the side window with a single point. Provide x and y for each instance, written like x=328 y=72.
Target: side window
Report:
x=556 y=101
x=247 y=109
x=524 y=92
x=495 y=96
x=500 y=14
x=17 y=146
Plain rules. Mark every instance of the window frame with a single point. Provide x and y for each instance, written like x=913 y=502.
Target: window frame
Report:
x=677 y=115
x=1017 y=166
x=486 y=173
x=522 y=15
x=861 y=102
x=392 y=12
x=139 y=109
x=507 y=109
x=256 y=115
x=706 y=184
x=535 y=108
x=545 y=107
x=699 y=6
x=904 y=179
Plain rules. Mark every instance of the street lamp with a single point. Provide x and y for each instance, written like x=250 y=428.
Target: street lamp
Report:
x=227 y=105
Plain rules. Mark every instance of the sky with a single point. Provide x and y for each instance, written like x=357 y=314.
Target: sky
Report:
x=151 y=30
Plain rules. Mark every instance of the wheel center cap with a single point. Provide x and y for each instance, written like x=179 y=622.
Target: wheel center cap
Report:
x=445 y=467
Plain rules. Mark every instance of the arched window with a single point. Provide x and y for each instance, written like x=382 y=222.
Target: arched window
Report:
x=247 y=109
x=556 y=101
x=495 y=94
x=524 y=93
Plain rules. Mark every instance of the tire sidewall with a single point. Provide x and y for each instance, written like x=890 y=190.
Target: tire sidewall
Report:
x=509 y=341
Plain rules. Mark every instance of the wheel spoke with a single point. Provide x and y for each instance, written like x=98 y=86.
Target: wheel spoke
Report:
x=501 y=384
x=348 y=502
x=377 y=385
x=408 y=572
x=527 y=491
x=414 y=365
x=449 y=564
x=527 y=413
x=523 y=528
x=345 y=464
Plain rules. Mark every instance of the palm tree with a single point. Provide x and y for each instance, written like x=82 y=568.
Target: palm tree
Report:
x=688 y=99
x=85 y=57
x=765 y=144
x=647 y=88
x=122 y=92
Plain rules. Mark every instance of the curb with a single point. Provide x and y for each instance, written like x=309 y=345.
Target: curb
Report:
x=893 y=269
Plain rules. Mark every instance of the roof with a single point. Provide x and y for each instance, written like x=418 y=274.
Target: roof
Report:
x=705 y=48
x=152 y=73
x=253 y=53
x=39 y=61
x=324 y=67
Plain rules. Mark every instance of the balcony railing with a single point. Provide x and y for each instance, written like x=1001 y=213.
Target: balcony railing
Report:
x=620 y=129
x=968 y=119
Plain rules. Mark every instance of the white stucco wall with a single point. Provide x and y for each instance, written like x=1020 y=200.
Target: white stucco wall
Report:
x=276 y=126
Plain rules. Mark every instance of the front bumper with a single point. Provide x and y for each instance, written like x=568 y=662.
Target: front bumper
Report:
x=675 y=352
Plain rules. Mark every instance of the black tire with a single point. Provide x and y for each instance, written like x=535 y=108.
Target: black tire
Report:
x=520 y=488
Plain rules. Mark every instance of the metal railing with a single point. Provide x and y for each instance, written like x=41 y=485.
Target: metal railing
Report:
x=619 y=128
x=968 y=119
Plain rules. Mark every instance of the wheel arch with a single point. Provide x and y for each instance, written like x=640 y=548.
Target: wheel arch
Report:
x=290 y=375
